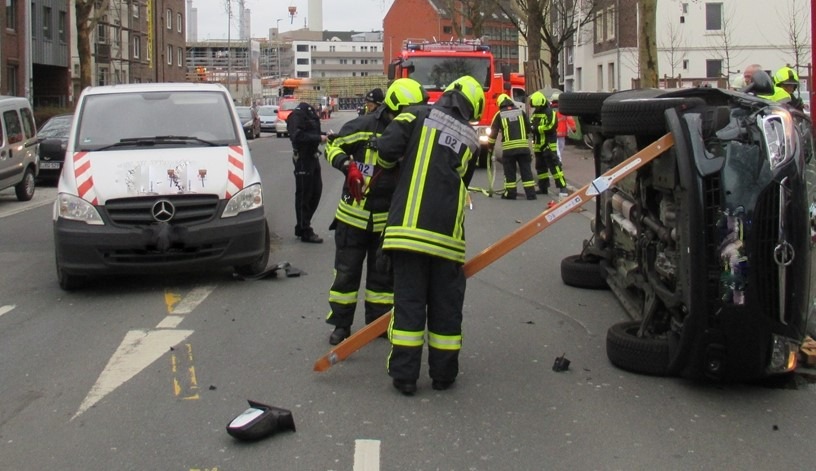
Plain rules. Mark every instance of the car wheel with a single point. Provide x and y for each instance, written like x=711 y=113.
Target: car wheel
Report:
x=69 y=282
x=25 y=189
x=257 y=267
x=644 y=355
x=584 y=105
x=641 y=116
x=582 y=272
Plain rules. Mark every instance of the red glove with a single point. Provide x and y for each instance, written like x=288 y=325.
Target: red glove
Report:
x=354 y=181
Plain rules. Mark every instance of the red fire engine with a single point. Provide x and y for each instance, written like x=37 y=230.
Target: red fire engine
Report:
x=437 y=64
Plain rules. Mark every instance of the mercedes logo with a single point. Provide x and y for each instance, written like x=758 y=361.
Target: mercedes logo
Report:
x=784 y=254
x=163 y=210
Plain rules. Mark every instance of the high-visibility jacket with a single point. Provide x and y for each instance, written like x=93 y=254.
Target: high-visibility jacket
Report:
x=544 y=122
x=514 y=126
x=565 y=124
x=358 y=140
x=779 y=95
x=427 y=209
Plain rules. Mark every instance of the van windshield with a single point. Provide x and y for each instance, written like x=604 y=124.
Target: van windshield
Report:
x=107 y=119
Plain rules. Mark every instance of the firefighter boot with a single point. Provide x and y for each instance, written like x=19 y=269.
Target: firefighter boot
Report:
x=543 y=186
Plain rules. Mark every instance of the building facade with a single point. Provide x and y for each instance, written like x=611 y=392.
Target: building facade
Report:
x=339 y=55
x=698 y=42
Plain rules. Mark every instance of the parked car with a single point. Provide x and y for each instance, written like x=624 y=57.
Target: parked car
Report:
x=53 y=137
x=250 y=120
x=286 y=106
x=268 y=115
x=169 y=186
x=19 y=157
x=708 y=247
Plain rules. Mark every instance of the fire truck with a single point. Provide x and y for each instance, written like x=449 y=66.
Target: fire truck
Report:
x=436 y=64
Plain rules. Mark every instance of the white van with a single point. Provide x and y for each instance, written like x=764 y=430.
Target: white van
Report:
x=158 y=178
x=19 y=156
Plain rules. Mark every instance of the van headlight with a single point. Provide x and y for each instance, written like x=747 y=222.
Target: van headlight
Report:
x=783 y=354
x=77 y=209
x=777 y=132
x=249 y=198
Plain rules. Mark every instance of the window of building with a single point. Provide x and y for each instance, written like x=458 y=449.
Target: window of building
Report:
x=102 y=76
x=313 y=48
x=62 y=20
x=169 y=55
x=137 y=47
x=302 y=74
x=168 y=18
x=570 y=55
x=11 y=14
x=685 y=64
x=302 y=61
x=713 y=16
x=600 y=78
x=713 y=68
x=179 y=22
x=447 y=29
x=599 y=27
x=180 y=56
x=685 y=8
x=610 y=72
x=302 y=48
x=47 y=31
x=11 y=84
x=135 y=8
x=33 y=17
x=117 y=34
x=331 y=49
x=102 y=30
x=610 y=23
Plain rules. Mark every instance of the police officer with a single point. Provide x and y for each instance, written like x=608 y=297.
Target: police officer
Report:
x=512 y=123
x=373 y=100
x=544 y=123
x=425 y=236
x=787 y=79
x=363 y=209
x=303 y=126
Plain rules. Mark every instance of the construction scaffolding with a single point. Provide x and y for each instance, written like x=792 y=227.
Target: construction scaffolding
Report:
x=348 y=93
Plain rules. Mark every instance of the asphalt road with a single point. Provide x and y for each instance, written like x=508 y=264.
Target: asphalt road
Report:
x=146 y=372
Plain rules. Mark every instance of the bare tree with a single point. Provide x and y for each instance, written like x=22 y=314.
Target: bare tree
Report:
x=673 y=47
x=557 y=23
x=724 y=43
x=647 y=43
x=470 y=12
x=796 y=25
x=88 y=14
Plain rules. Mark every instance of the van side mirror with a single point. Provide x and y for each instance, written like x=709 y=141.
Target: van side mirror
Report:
x=761 y=84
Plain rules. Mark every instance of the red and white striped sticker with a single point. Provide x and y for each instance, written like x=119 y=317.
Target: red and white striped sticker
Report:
x=235 y=170
x=84 y=177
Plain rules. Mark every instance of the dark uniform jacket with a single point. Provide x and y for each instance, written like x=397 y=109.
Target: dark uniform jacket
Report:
x=358 y=139
x=544 y=123
x=514 y=126
x=303 y=126
x=427 y=209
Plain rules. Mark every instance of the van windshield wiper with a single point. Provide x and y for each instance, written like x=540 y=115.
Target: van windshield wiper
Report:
x=155 y=140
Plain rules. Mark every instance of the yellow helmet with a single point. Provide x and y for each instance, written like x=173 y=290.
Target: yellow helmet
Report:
x=404 y=92
x=500 y=99
x=471 y=89
x=786 y=76
x=537 y=99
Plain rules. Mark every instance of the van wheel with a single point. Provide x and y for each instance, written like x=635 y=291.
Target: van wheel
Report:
x=644 y=355
x=258 y=266
x=25 y=189
x=69 y=282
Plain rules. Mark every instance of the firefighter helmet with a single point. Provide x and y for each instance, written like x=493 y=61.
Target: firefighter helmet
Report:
x=786 y=76
x=471 y=89
x=537 y=99
x=404 y=92
x=501 y=99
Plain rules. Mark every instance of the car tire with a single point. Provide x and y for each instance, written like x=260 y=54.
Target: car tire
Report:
x=585 y=105
x=640 y=116
x=582 y=272
x=643 y=355
x=258 y=266
x=25 y=189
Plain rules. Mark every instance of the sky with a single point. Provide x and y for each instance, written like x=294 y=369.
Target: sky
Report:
x=338 y=15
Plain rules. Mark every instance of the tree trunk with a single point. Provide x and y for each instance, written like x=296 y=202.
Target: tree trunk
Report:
x=647 y=43
x=534 y=27
x=83 y=29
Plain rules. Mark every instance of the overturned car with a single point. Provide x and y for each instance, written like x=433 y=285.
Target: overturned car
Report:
x=708 y=247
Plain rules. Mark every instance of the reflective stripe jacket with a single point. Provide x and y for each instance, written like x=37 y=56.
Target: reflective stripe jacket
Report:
x=514 y=126
x=544 y=129
x=358 y=139
x=427 y=210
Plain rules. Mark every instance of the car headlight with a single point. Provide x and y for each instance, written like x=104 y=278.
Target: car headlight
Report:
x=77 y=209
x=247 y=199
x=783 y=354
x=777 y=132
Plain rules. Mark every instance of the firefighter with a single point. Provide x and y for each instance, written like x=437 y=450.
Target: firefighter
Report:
x=544 y=123
x=303 y=126
x=787 y=79
x=373 y=100
x=363 y=209
x=424 y=236
x=512 y=123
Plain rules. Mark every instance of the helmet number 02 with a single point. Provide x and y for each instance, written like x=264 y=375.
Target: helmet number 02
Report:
x=451 y=141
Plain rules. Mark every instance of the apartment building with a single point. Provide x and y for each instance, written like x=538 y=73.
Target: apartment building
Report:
x=339 y=54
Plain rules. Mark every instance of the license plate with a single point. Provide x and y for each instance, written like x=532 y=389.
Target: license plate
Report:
x=50 y=165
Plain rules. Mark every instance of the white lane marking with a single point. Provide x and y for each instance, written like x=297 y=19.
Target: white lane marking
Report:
x=7 y=308
x=193 y=299
x=366 y=455
x=137 y=351
x=170 y=322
